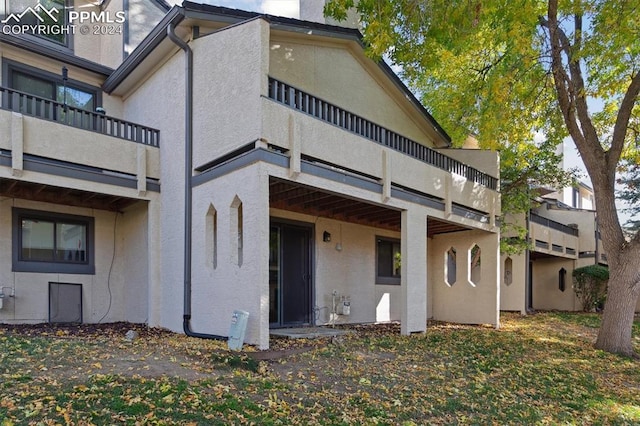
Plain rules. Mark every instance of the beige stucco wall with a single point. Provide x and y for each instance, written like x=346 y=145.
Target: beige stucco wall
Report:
x=585 y=220
x=551 y=236
x=463 y=302
x=166 y=82
x=56 y=141
x=229 y=77
x=89 y=45
x=346 y=78
x=231 y=285
x=546 y=292
x=512 y=297
x=104 y=43
x=117 y=291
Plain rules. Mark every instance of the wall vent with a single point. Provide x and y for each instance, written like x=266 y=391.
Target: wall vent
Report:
x=65 y=303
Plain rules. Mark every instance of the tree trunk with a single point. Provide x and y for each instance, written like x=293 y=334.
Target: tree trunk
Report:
x=617 y=320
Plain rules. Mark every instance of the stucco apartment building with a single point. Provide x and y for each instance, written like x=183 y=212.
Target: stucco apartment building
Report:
x=564 y=235
x=203 y=160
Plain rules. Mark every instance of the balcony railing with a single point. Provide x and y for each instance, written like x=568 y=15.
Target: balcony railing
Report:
x=35 y=106
x=320 y=109
x=553 y=224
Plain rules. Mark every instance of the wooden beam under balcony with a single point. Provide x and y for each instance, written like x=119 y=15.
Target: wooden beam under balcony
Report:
x=65 y=196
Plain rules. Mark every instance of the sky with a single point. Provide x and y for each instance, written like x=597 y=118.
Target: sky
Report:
x=290 y=8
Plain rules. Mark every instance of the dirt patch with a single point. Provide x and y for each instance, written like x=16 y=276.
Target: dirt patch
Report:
x=77 y=352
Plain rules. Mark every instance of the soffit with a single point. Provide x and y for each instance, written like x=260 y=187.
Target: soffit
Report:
x=291 y=196
x=66 y=196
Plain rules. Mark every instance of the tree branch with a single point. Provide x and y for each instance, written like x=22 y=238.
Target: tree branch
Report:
x=560 y=77
x=572 y=98
x=622 y=120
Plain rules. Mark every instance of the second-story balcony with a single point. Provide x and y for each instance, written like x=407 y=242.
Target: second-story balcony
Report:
x=40 y=129
x=47 y=109
x=325 y=111
x=551 y=237
x=339 y=139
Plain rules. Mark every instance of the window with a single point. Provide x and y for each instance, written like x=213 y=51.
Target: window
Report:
x=237 y=231
x=562 y=277
x=388 y=261
x=508 y=271
x=56 y=91
x=52 y=242
x=47 y=85
x=475 y=270
x=49 y=19
x=450 y=266
x=212 y=237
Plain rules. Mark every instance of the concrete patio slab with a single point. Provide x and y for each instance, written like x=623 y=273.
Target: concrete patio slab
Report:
x=307 y=332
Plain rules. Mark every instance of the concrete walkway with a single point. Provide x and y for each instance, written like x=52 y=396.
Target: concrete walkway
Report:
x=307 y=332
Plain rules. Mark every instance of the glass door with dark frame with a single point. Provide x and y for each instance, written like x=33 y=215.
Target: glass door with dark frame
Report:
x=290 y=283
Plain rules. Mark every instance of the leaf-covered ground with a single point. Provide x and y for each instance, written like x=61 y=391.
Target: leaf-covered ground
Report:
x=539 y=369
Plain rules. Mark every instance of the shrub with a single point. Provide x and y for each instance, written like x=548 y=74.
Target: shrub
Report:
x=590 y=285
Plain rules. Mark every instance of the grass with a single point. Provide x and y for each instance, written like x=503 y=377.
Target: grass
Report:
x=539 y=369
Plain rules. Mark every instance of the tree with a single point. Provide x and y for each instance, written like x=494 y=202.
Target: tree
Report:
x=508 y=70
x=630 y=192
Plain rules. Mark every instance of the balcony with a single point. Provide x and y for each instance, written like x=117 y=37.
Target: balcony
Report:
x=47 y=138
x=553 y=238
x=553 y=224
x=46 y=109
x=329 y=113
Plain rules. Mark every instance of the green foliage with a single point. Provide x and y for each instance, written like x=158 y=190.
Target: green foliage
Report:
x=590 y=285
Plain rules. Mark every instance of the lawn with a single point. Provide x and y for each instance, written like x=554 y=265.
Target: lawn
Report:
x=539 y=369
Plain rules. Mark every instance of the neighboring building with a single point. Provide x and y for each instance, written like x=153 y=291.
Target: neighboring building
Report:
x=309 y=176
x=79 y=190
x=564 y=235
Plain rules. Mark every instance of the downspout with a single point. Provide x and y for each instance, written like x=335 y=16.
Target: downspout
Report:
x=188 y=167
x=528 y=294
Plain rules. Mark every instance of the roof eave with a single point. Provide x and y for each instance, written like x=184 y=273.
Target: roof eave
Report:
x=150 y=42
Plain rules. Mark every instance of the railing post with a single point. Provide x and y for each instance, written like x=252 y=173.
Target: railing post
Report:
x=291 y=94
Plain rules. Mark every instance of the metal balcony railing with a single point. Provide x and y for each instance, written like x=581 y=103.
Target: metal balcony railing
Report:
x=325 y=111
x=47 y=109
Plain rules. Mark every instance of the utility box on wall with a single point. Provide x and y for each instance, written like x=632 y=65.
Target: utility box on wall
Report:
x=237 y=330
x=346 y=305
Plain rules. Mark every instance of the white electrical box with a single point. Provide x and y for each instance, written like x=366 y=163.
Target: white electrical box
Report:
x=237 y=330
